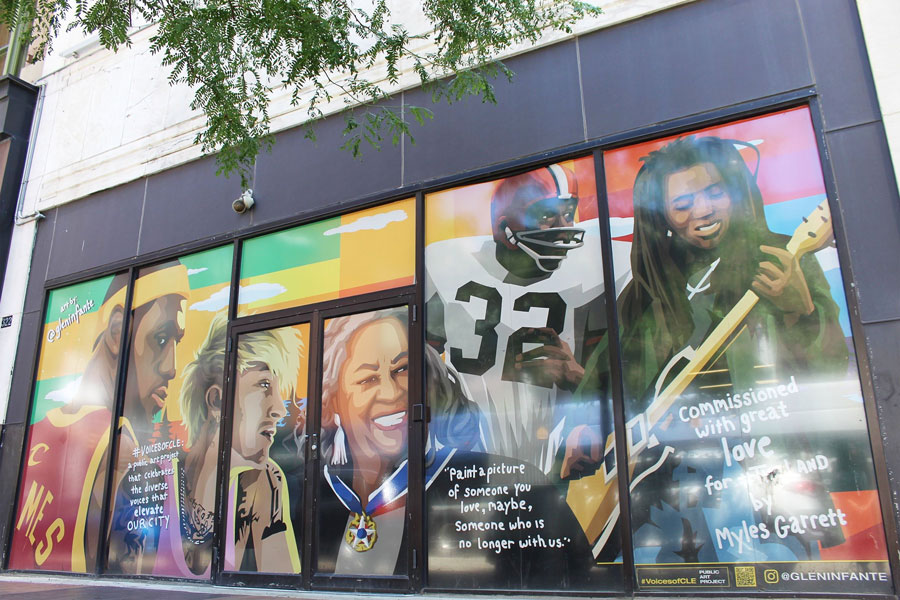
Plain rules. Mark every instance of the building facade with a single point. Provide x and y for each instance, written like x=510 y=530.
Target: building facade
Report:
x=632 y=330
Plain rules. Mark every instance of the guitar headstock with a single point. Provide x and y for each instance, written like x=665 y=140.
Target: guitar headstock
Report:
x=814 y=233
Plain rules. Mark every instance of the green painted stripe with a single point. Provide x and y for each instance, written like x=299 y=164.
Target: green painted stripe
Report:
x=295 y=247
x=210 y=267
x=94 y=290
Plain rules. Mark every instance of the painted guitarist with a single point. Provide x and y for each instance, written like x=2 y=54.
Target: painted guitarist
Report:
x=710 y=275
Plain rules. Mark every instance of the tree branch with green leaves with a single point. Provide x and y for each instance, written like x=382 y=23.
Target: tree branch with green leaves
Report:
x=235 y=54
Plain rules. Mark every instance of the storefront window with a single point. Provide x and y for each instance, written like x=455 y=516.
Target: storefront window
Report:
x=356 y=253
x=57 y=523
x=521 y=418
x=748 y=449
x=165 y=472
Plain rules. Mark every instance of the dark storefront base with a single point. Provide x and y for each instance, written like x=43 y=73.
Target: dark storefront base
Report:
x=37 y=587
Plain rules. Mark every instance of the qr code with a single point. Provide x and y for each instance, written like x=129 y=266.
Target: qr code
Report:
x=745 y=576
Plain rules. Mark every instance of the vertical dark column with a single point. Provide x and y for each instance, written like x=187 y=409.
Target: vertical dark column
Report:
x=224 y=463
x=416 y=524
x=616 y=386
x=313 y=456
x=218 y=542
x=17 y=101
x=118 y=405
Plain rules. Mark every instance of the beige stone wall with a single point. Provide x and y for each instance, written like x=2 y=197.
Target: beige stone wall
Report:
x=881 y=27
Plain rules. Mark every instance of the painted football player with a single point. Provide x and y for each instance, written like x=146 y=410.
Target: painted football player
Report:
x=519 y=313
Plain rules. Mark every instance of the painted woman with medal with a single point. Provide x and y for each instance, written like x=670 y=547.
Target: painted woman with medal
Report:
x=365 y=387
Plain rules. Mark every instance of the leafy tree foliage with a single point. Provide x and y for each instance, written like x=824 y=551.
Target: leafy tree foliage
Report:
x=234 y=53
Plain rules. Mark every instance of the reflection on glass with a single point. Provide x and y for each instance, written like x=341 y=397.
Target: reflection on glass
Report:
x=57 y=523
x=263 y=494
x=164 y=493
x=365 y=397
x=747 y=436
x=515 y=309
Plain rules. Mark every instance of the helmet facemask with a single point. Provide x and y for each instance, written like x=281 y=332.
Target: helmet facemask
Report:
x=546 y=247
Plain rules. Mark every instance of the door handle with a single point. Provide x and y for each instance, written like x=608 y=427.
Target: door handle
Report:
x=314 y=446
x=421 y=412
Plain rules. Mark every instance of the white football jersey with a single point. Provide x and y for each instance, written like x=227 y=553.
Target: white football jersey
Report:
x=484 y=306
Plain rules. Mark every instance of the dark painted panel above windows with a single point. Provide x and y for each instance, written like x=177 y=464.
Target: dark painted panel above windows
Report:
x=300 y=176
x=100 y=229
x=540 y=110
x=189 y=203
x=698 y=57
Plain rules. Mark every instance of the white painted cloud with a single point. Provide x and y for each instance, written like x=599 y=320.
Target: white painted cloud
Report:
x=247 y=294
x=259 y=291
x=370 y=223
x=65 y=394
x=216 y=302
x=621 y=226
x=195 y=271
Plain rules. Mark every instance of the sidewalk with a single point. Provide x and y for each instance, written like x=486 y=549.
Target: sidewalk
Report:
x=43 y=587
x=31 y=587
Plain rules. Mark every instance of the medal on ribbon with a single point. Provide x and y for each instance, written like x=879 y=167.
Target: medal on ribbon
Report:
x=361 y=534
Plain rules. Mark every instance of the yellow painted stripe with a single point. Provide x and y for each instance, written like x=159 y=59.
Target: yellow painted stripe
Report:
x=300 y=283
x=78 y=557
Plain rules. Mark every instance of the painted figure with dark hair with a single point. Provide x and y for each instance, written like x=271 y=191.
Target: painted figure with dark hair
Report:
x=159 y=304
x=157 y=325
x=701 y=241
x=518 y=313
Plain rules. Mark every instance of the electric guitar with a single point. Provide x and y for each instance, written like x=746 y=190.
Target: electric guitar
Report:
x=595 y=499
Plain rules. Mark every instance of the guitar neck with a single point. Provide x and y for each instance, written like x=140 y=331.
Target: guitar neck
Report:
x=703 y=354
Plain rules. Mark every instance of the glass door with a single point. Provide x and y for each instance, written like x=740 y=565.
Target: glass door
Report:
x=364 y=506
x=263 y=520
x=322 y=423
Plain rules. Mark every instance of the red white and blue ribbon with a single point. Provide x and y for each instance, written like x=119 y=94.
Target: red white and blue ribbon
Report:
x=362 y=532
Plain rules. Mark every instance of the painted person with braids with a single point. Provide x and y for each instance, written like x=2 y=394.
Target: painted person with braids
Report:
x=701 y=241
